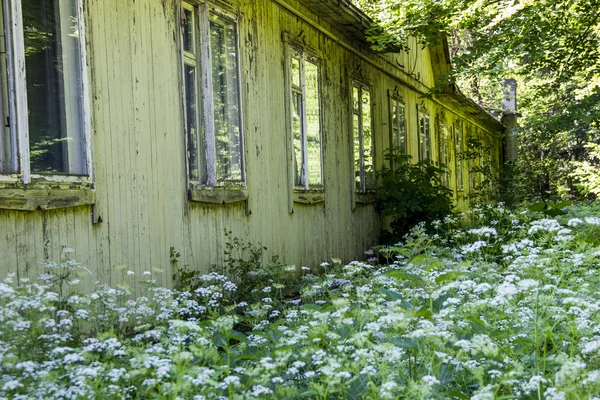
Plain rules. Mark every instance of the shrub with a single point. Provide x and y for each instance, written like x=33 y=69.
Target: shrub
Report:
x=411 y=192
x=244 y=265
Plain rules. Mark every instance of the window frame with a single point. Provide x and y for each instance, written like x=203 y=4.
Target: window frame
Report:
x=362 y=86
x=478 y=162
x=458 y=160
x=423 y=114
x=305 y=193
x=20 y=188
x=397 y=98
x=473 y=160
x=444 y=149
x=208 y=189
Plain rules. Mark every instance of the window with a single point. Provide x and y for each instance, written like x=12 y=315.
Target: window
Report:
x=472 y=175
x=398 y=124
x=424 y=136
x=305 y=121
x=444 y=151
x=44 y=130
x=459 y=157
x=362 y=128
x=212 y=95
x=473 y=145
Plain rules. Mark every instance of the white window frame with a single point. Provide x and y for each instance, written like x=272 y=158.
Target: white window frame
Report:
x=17 y=99
x=424 y=133
x=444 y=149
x=361 y=86
x=204 y=98
x=394 y=130
x=304 y=56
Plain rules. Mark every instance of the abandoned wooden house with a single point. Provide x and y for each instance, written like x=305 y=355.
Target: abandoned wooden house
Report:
x=137 y=126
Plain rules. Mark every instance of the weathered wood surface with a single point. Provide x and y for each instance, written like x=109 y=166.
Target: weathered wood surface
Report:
x=44 y=199
x=218 y=195
x=141 y=195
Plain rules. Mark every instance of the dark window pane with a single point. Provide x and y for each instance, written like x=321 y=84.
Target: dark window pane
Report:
x=297 y=137
x=196 y=169
x=188 y=30
x=8 y=151
x=54 y=97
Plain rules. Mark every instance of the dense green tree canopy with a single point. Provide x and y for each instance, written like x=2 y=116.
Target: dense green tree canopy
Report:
x=552 y=48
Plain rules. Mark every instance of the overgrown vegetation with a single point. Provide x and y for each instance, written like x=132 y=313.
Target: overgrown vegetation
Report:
x=494 y=304
x=549 y=47
x=411 y=192
x=244 y=265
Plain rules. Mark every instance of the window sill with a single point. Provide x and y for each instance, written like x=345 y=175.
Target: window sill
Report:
x=365 y=198
x=309 y=197
x=45 y=196
x=217 y=195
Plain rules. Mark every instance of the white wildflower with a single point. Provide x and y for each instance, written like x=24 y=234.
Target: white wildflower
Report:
x=12 y=385
x=484 y=232
x=259 y=390
x=430 y=380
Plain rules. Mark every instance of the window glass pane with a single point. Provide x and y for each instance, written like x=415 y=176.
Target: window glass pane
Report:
x=444 y=152
x=459 y=162
x=399 y=125
x=355 y=100
x=296 y=72
x=422 y=138
x=226 y=99
x=313 y=124
x=7 y=144
x=297 y=138
x=356 y=148
x=427 y=139
x=191 y=113
x=395 y=123
x=367 y=137
x=472 y=173
x=188 y=30
x=54 y=98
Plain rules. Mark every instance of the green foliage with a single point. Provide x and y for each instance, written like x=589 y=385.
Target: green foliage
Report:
x=550 y=48
x=184 y=277
x=243 y=264
x=587 y=173
x=483 y=182
x=411 y=193
x=550 y=209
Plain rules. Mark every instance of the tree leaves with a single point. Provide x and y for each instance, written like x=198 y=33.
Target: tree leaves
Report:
x=550 y=48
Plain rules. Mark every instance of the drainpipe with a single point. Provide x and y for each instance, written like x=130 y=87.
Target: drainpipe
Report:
x=509 y=119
